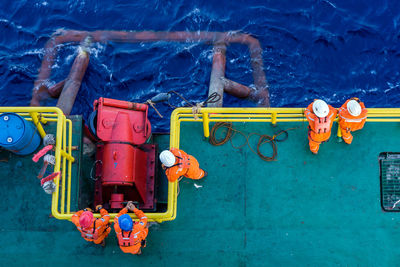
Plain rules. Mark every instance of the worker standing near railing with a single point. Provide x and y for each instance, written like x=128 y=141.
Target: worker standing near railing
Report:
x=93 y=230
x=177 y=163
x=131 y=236
x=352 y=117
x=320 y=117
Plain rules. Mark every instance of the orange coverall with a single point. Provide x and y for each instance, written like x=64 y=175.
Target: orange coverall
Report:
x=185 y=165
x=102 y=227
x=135 y=237
x=349 y=123
x=314 y=138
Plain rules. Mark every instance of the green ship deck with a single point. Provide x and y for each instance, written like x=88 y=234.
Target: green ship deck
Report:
x=302 y=209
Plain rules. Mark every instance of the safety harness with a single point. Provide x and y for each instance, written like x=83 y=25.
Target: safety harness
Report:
x=92 y=235
x=183 y=162
x=129 y=240
x=322 y=125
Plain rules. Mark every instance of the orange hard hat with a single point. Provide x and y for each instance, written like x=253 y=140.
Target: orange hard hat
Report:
x=86 y=219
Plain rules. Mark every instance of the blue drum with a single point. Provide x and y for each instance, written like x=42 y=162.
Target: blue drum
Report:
x=18 y=135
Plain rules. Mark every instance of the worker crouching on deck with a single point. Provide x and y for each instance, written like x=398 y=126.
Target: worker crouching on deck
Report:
x=93 y=230
x=352 y=117
x=320 y=117
x=131 y=236
x=177 y=163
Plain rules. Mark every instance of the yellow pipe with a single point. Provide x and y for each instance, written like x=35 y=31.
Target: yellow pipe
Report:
x=47 y=120
x=68 y=156
x=35 y=119
x=69 y=165
x=206 y=125
x=273 y=118
x=339 y=132
x=43 y=114
x=278 y=120
x=42 y=118
x=64 y=147
x=54 y=200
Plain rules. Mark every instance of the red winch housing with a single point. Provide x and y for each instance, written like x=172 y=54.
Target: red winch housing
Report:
x=126 y=164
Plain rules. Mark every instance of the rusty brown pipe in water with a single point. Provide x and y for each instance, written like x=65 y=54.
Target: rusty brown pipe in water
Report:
x=56 y=89
x=73 y=82
x=217 y=72
x=236 y=89
x=64 y=36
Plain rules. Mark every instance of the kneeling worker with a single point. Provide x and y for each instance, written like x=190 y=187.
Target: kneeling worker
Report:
x=320 y=117
x=177 y=163
x=352 y=117
x=131 y=236
x=92 y=230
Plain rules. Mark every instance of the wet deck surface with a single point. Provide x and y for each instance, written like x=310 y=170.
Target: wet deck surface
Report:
x=300 y=210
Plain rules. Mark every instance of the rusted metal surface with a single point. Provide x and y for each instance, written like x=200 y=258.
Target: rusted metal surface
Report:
x=40 y=90
x=236 y=89
x=73 y=83
x=217 y=72
x=56 y=89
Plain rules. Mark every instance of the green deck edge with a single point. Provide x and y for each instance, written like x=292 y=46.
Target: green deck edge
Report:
x=300 y=210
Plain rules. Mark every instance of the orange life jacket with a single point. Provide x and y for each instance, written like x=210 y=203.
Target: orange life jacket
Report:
x=129 y=240
x=91 y=234
x=322 y=125
x=183 y=162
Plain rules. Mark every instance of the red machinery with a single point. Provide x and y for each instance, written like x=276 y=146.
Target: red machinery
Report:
x=125 y=164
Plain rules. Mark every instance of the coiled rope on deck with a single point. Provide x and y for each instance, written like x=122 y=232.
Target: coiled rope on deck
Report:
x=263 y=139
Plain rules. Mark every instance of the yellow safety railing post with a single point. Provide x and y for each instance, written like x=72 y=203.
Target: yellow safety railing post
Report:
x=206 y=125
x=273 y=118
x=35 y=119
x=67 y=156
x=42 y=119
x=339 y=132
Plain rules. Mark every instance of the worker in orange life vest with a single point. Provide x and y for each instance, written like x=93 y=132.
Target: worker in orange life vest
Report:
x=352 y=117
x=92 y=230
x=177 y=163
x=320 y=117
x=131 y=236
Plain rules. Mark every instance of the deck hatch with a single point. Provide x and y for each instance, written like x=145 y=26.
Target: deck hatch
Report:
x=389 y=163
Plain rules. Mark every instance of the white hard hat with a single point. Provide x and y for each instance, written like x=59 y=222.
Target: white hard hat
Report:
x=167 y=158
x=354 y=108
x=320 y=108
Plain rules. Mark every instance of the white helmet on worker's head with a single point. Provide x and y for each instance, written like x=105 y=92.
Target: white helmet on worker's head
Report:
x=320 y=108
x=354 y=108
x=167 y=158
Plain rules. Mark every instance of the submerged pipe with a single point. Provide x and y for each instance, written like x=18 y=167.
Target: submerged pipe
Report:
x=56 y=89
x=236 y=89
x=260 y=80
x=217 y=72
x=74 y=81
x=64 y=36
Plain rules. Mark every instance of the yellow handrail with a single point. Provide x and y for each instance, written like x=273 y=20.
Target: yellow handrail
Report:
x=206 y=116
x=43 y=115
x=62 y=209
x=272 y=115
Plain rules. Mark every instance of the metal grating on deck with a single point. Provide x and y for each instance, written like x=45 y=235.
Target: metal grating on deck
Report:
x=390 y=181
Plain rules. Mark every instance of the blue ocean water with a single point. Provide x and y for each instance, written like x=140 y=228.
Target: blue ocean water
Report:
x=332 y=50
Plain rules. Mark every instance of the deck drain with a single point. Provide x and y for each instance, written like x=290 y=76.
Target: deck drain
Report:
x=389 y=163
